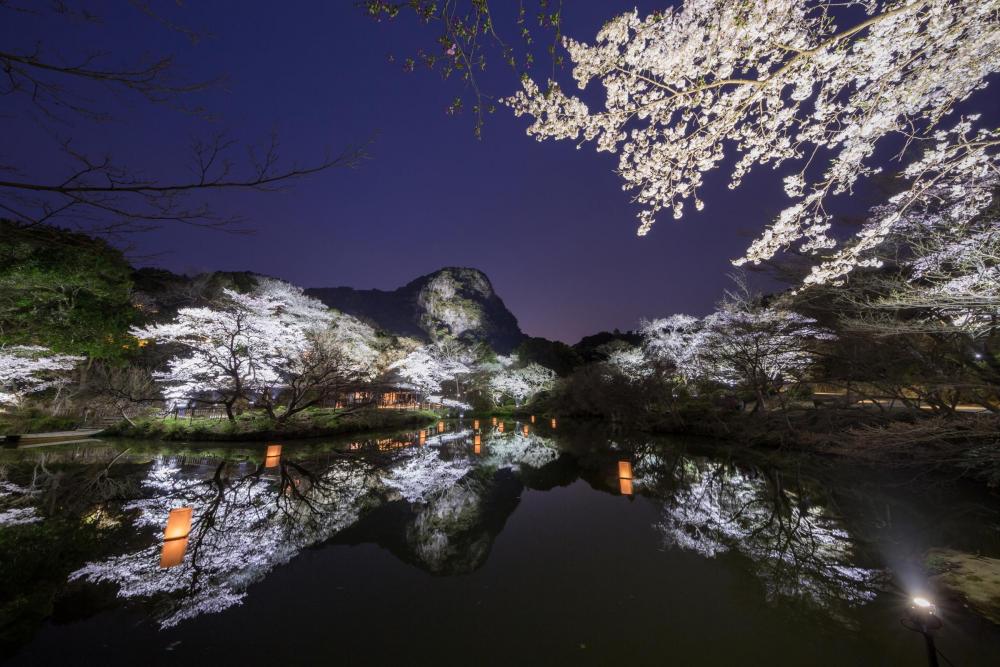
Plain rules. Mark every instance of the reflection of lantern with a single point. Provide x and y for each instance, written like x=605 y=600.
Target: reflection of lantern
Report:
x=553 y=423
x=440 y=427
x=273 y=456
x=525 y=430
x=175 y=536
x=500 y=427
x=625 y=477
x=178 y=523
x=532 y=419
x=173 y=552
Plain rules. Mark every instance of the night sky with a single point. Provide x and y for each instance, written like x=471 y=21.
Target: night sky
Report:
x=549 y=224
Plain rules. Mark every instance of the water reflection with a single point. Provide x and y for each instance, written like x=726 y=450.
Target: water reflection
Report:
x=795 y=545
x=451 y=490
x=242 y=521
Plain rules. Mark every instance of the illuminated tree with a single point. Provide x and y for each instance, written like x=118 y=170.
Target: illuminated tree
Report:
x=30 y=369
x=778 y=82
x=249 y=346
x=758 y=348
x=428 y=368
x=678 y=341
x=520 y=384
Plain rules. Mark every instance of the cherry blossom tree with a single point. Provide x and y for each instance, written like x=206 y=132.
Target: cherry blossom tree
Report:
x=30 y=369
x=756 y=347
x=945 y=231
x=520 y=384
x=249 y=346
x=678 y=341
x=777 y=82
x=428 y=368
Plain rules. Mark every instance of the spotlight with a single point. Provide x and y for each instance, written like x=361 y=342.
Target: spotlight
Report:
x=922 y=617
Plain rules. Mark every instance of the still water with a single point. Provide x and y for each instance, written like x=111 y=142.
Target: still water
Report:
x=512 y=543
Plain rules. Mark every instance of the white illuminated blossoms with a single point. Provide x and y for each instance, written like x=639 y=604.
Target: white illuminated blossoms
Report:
x=770 y=82
x=29 y=369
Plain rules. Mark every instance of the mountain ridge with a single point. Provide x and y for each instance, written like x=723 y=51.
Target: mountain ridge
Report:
x=452 y=303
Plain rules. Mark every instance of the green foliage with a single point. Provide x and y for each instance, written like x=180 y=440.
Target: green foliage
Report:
x=255 y=425
x=63 y=290
x=35 y=421
x=553 y=354
x=592 y=348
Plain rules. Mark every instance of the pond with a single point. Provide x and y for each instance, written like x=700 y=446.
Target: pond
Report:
x=513 y=543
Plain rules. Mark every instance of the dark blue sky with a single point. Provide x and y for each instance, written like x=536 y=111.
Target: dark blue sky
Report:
x=549 y=224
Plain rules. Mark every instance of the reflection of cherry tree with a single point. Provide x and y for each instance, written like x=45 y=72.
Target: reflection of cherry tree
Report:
x=243 y=527
x=514 y=449
x=796 y=548
x=423 y=473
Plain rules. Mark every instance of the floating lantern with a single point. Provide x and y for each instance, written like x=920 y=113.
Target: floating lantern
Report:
x=175 y=536
x=441 y=427
x=525 y=430
x=475 y=424
x=532 y=419
x=423 y=436
x=494 y=421
x=553 y=423
x=625 y=477
x=272 y=456
x=500 y=427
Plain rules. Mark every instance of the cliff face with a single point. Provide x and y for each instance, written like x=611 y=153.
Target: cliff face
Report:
x=452 y=303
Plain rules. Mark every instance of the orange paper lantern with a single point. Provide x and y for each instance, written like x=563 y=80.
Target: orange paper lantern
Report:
x=475 y=423
x=553 y=423
x=525 y=430
x=532 y=419
x=440 y=427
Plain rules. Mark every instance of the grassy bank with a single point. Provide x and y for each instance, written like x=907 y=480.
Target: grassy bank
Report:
x=313 y=423
x=34 y=421
x=963 y=445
